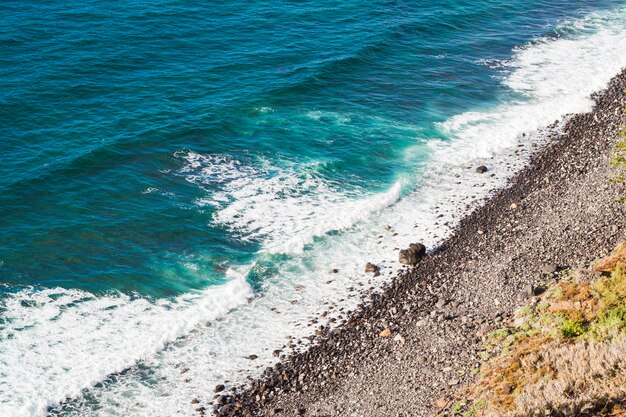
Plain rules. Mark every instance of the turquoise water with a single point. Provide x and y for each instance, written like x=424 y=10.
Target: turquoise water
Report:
x=152 y=151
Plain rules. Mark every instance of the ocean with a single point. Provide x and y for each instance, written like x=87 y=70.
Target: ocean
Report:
x=184 y=184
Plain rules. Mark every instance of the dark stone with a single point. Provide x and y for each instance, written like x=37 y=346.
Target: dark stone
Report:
x=482 y=169
x=252 y=357
x=226 y=410
x=539 y=290
x=219 y=388
x=413 y=254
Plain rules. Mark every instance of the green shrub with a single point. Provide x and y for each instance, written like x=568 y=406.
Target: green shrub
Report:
x=572 y=328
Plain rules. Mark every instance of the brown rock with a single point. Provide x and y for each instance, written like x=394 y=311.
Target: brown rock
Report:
x=370 y=267
x=413 y=254
x=441 y=403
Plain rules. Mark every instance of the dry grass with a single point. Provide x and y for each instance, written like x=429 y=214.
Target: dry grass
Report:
x=575 y=301
x=587 y=375
x=609 y=263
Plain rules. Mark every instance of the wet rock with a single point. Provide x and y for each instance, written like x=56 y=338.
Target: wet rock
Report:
x=226 y=410
x=252 y=357
x=482 y=169
x=220 y=388
x=370 y=267
x=413 y=254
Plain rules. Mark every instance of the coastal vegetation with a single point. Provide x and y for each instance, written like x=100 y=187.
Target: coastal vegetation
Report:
x=563 y=355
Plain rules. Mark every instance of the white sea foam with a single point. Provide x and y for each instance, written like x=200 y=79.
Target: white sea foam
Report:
x=284 y=208
x=553 y=77
x=56 y=343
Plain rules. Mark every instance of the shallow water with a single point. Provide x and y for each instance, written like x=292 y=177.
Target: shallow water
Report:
x=178 y=179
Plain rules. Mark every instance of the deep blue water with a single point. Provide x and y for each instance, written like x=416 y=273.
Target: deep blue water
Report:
x=149 y=147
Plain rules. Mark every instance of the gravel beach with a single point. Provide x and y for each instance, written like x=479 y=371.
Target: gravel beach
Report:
x=407 y=349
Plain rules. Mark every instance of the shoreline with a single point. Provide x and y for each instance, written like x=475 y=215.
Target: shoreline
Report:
x=415 y=342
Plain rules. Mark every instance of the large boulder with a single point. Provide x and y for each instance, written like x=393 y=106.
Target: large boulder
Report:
x=413 y=254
